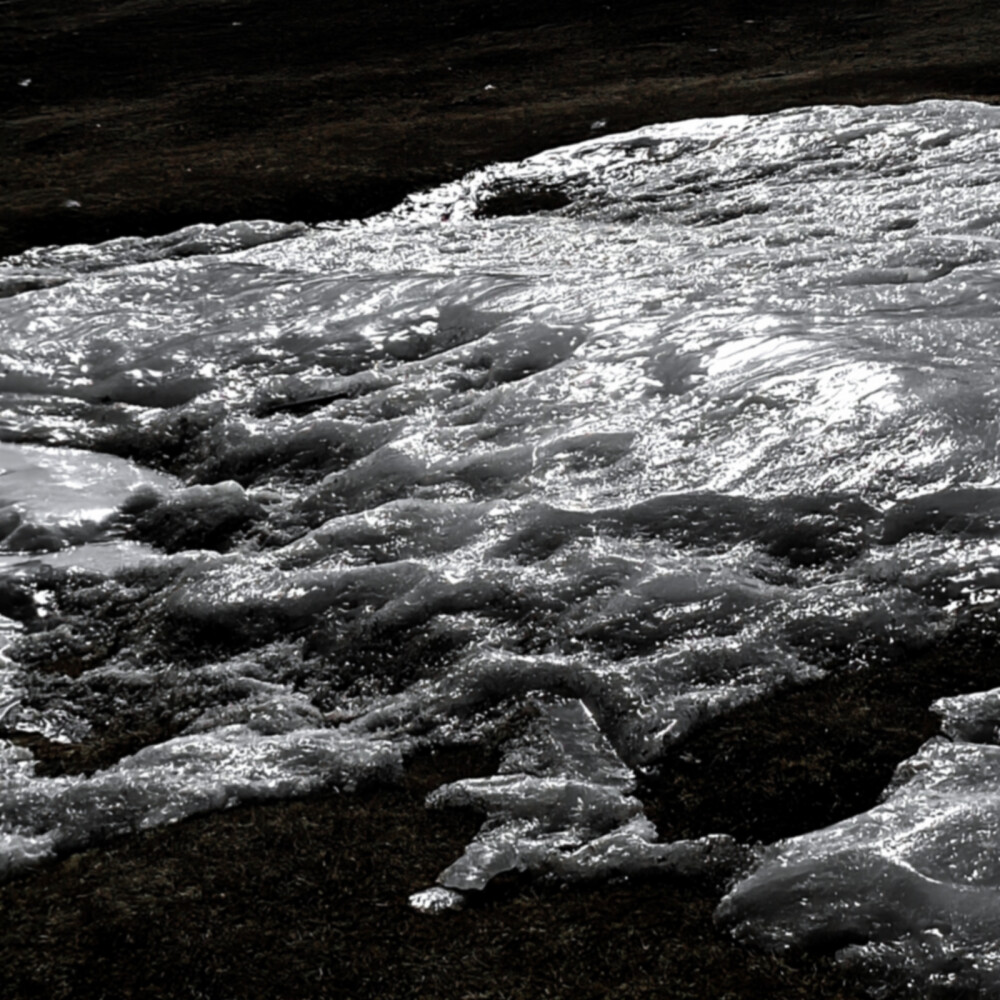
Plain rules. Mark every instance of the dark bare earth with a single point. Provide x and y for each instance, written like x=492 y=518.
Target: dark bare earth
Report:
x=152 y=114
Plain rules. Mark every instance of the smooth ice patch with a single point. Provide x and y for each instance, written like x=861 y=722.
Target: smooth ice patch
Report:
x=51 y=498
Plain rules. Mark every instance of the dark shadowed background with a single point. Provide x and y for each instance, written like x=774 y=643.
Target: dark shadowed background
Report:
x=138 y=117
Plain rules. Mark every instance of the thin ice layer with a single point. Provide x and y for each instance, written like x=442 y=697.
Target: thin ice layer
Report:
x=563 y=803
x=173 y=780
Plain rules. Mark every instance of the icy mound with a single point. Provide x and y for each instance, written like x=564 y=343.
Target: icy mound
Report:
x=572 y=454
x=910 y=886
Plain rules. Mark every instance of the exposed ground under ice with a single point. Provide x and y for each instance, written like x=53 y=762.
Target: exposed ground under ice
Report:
x=573 y=455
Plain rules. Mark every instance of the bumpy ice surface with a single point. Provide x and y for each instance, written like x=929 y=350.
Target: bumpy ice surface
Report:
x=586 y=449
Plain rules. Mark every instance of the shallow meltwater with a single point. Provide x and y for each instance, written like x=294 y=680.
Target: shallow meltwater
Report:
x=292 y=505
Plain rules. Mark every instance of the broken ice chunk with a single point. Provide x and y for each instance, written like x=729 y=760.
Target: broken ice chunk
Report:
x=562 y=804
x=436 y=900
x=972 y=717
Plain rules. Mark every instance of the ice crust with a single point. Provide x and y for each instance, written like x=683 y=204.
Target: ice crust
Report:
x=562 y=803
x=170 y=781
x=306 y=501
x=910 y=885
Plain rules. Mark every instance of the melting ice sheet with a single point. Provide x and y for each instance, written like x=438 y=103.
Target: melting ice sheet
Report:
x=574 y=479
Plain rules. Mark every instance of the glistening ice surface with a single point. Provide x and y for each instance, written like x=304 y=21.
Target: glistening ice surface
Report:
x=573 y=454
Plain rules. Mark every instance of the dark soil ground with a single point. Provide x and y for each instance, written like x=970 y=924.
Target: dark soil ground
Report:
x=141 y=116
x=309 y=900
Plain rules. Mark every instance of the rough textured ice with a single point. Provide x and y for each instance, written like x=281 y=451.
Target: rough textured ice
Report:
x=180 y=778
x=562 y=803
x=971 y=717
x=912 y=884
x=722 y=419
